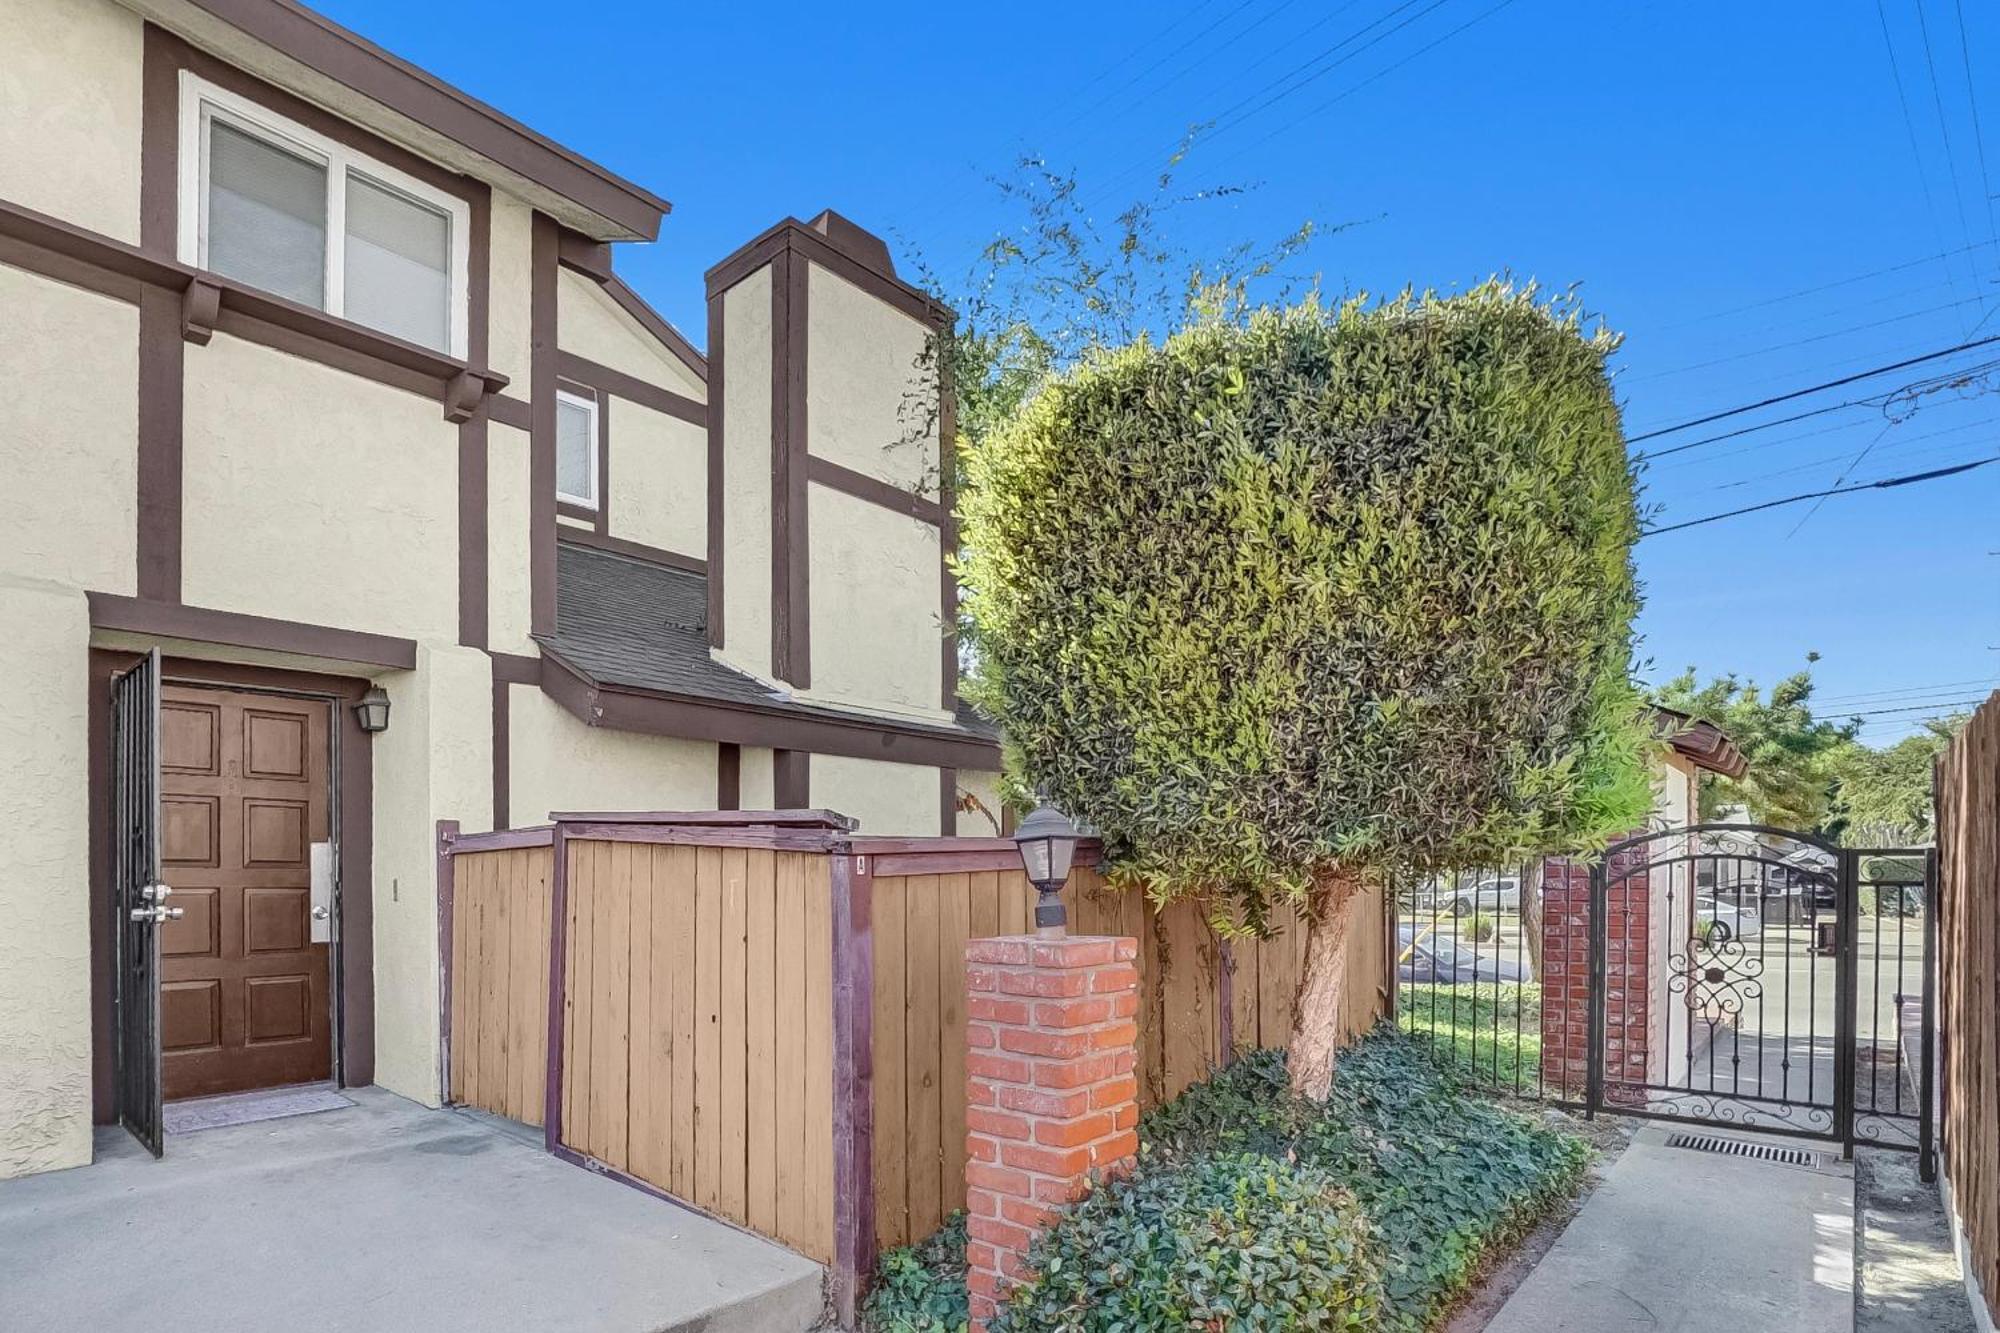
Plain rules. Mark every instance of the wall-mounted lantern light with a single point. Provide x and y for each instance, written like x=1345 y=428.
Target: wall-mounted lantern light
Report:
x=1047 y=841
x=372 y=712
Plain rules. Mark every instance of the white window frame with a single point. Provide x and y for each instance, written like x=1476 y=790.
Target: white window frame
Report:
x=202 y=103
x=589 y=405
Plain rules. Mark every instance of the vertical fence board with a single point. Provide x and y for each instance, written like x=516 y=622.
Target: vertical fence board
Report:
x=637 y=865
x=954 y=927
x=708 y=1026
x=682 y=875
x=761 y=1056
x=794 y=1200
x=892 y=1207
x=819 y=1051
x=576 y=996
x=732 y=1188
x=924 y=1125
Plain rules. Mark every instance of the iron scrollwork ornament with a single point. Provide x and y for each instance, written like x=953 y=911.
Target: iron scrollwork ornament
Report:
x=1718 y=976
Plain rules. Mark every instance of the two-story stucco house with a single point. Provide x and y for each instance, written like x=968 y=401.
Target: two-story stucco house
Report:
x=320 y=382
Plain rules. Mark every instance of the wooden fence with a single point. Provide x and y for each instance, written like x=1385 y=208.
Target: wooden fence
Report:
x=1968 y=953
x=763 y=1015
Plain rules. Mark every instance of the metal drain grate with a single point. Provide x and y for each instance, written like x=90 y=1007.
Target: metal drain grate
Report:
x=1762 y=1152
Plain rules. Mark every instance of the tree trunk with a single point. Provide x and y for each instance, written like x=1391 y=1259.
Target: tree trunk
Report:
x=1316 y=1027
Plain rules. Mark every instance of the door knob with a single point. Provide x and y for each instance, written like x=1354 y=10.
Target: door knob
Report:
x=319 y=912
x=158 y=914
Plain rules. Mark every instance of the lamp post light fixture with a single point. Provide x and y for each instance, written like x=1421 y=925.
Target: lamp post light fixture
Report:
x=372 y=711
x=1047 y=842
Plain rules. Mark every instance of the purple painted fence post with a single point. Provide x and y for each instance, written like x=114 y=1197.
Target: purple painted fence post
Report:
x=853 y=1083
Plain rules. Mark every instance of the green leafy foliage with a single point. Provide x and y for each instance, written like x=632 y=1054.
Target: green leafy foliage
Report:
x=1479 y=928
x=1347 y=588
x=1882 y=798
x=1253 y=1209
x=1490 y=1033
x=921 y=1288
x=1785 y=747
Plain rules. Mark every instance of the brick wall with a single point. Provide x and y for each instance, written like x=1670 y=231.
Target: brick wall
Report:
x=1051 y=1090
x=1629 y=984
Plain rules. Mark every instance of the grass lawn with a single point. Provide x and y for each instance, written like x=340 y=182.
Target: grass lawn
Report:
x=1251 y=1210
x=1491 y=1033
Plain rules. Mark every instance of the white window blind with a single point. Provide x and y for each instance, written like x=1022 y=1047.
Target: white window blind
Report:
x=398 y=263
x=288 y=210
x=576 y=449
x=266 y=215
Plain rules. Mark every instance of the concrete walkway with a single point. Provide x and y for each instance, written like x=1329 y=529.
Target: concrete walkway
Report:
x=1681 y=1240
x=381 y=1217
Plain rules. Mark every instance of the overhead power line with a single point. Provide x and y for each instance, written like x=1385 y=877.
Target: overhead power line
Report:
x=1809 y=390
x=1942 y=256
x=1914 y=708
x=1886 y=484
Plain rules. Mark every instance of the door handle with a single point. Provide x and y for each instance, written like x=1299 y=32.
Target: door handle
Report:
x=319 y=913
x=158 y=914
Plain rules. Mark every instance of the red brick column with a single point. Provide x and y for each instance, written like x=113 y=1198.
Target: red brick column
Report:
x=1628 y=975
x=1051 y=1090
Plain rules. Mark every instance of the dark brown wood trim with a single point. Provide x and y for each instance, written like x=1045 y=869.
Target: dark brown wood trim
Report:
x=791 y=558
x=864 y=265
x=516 y=668
x=874 y=490
x=503 y=751
x=607 y=380
x=791 y=779
x=716 y=567
x=56 y=249
x=728 y=776
x=564 y=509
x=948 y=509
x=501 y=840
x=159 y=444
x=170 y=620
x=675 y=835
x=855 y=736
x=447 y=835
x=583 y=255
x=672 y=338
x=542 y=436
x=338 y=54
x=510 y=412
x=473 y=511
x=853 y=1084
x=947 y=802
x=600 y=521
x=657 y=555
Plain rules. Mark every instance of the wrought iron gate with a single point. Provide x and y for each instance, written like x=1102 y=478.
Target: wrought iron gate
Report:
x=138 y=897
x=1726 y=974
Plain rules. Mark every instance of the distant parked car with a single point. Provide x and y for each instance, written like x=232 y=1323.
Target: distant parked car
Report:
x=1719 y=922
x=1441 y=962
x=1493 y=895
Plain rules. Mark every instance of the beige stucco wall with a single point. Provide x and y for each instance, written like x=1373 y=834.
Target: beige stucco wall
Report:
x=434 y=762
x=659 y=479
x=876 y=628
x=70 y=88
x=509 y=297
x=509 y=579
x=593 y=326
x=897 y=800
x=757 y=779
x=557 y=763
x=44 y=879
x=866 y=404
x=746 y=474
x=985 y=786
x=68 y=431
x=345 y=490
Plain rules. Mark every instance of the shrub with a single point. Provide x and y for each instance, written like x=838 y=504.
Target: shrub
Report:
x=921 y=1288
x=1479 y=928
x=1398 y=1189
x=1229 y=1241
x=1281 y=607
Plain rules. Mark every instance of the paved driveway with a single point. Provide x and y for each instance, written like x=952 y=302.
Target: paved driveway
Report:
x=383 y=1216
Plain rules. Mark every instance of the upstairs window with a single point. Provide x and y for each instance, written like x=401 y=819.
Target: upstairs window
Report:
x=576 y=449
x=276 y=206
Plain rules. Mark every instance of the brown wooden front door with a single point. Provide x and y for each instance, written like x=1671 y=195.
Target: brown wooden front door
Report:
x=244 y=994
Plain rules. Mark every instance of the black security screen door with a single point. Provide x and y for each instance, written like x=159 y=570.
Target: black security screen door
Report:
x=137 y=897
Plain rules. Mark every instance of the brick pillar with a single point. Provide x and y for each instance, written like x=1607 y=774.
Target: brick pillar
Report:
x=1051 y=1090
x=1628 y=975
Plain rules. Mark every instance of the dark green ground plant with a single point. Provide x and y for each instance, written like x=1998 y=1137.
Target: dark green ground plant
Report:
x=1288 y=607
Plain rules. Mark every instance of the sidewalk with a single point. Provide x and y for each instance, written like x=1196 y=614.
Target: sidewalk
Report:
x=1682 y=1240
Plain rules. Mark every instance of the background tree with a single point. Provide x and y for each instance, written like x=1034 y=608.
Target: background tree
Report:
x=1787 y=782
x=1286 y=607
x=1882 y=797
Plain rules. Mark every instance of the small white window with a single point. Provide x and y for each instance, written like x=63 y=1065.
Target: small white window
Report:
x=576 y=449
x=275 y=206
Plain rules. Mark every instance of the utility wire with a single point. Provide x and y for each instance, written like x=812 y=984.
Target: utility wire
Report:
x=1978 y=132
x=1910 y=128
x=1943 y=256
x=1885 y=696
x=1844 y=380
x=1914 y=708
x=1884 y=485
x=1868 y=327
x=1944 y=130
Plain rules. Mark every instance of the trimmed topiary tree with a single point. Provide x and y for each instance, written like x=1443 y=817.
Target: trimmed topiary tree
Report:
x=1286 y=608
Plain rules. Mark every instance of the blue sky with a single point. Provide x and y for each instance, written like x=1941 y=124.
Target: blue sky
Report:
x=1695 y=166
